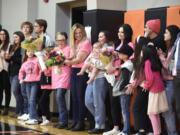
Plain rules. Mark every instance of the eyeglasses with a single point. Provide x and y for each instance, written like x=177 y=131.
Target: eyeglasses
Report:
x=60 y=40
x=36 y=26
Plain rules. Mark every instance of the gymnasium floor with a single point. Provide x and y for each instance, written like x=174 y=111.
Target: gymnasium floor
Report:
x=12 y=126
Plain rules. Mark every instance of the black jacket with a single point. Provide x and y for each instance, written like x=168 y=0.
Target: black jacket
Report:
x=15 y=63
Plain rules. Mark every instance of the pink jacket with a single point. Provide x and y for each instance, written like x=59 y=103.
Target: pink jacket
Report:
x=165 y=62
x=32 y=70
x=154 y=80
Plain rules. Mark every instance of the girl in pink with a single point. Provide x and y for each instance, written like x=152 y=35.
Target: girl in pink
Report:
x=61 y=81
x=157 y=102
x=33 y=72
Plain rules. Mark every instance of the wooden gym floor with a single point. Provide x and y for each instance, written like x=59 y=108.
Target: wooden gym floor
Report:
x=13 y=126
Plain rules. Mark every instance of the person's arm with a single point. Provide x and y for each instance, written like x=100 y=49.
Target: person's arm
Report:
x=148 y=74
x=125 y=78
x=82 y=55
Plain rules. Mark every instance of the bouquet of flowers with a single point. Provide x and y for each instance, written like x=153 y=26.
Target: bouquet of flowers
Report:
x=33 y=44
x=55 y=58
x=106 y=56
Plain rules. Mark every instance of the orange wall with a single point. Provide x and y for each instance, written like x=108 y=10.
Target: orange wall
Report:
x=173 y=16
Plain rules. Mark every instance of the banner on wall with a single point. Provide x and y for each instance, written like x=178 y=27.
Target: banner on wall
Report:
x=88 y=32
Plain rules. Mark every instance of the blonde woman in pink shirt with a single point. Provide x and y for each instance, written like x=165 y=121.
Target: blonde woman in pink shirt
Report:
x=157 y=102
x=80 y=49
x=33 y=72
x=61 y=81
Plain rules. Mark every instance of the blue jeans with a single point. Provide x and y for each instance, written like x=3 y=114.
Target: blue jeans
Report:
x=95 y=100
x=61 y=101
x=169 y=115
x=16 y=89
x=32 y=89
x=125 y=105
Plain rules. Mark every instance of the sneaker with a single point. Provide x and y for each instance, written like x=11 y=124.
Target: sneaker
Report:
x=24 y=117
x=31 y=122
x=112 y=132
x=45 y=123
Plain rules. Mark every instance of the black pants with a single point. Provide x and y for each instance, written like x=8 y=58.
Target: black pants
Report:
x=177 y=94
x=141 y=119
x=5 y=86
x=115 y=108
x=44 y=103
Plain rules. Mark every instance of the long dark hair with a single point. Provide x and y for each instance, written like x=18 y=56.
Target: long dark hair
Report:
x=139 y=43
x=7 y=40
x=174 y=30
x=149 y=53
x=21 y=37
x=128 y=32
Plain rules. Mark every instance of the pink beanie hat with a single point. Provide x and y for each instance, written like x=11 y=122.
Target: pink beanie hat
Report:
x=154 y=25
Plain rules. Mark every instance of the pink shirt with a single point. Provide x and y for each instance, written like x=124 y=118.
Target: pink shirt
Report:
x=86 y=46
x=154 y=80
x=62 y=80
x=165 y=63
x=32 y=70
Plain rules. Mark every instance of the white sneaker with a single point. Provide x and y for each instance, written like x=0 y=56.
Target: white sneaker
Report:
x=31 y=122
x=112 y=132
x=44 y=123
x=122 y=133
x=24 y=117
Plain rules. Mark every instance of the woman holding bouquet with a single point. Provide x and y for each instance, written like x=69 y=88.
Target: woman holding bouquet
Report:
x=96 y=91
x=61 y=79
x=80 y=49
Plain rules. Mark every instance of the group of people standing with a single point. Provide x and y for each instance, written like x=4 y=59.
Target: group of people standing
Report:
x=151 y=65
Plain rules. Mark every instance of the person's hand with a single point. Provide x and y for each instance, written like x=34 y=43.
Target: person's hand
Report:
x=21 y=81
x=129 y=89
x=67 y=62
x=110 y=69
x=159 y=51
x=7 y=56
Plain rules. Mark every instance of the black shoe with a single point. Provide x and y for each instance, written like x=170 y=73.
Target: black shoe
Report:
x=141 y=133
x=96 y=131
x=5 y=112
x=79 y=127
x=55 y=125
x=61 y=126
x=72 y=126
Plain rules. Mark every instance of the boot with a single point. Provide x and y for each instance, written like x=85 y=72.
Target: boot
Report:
x=72 y=126
x=79 y=127
x=5 y=111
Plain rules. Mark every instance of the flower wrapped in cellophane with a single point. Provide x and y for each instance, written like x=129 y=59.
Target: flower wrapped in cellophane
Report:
x=55 y=58
x=33 y=44
x=106 y=56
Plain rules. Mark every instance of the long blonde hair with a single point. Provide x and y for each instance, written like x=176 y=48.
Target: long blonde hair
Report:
x=72 y=40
